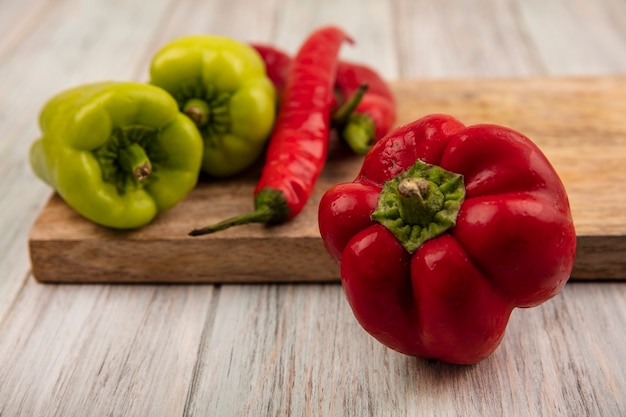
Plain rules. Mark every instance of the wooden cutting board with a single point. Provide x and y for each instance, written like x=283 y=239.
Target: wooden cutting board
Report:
x=579 y=123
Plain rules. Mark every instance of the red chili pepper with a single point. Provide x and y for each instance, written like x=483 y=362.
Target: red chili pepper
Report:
x=361 y=119
x=376 y=112
x=445 y=230
x=299 y=143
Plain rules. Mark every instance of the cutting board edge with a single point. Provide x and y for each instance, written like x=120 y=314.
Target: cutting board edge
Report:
x=593 y=261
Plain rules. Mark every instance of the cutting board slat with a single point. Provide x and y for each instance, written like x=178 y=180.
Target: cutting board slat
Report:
x=579 y=123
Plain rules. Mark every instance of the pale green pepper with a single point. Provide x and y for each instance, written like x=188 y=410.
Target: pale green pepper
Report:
x=117 y=153
x=222 y=85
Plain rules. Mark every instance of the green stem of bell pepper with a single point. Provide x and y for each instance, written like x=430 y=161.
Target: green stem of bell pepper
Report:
x=198 y=110
x=133 y=160
x=420 y=204
x=221 y=84
x=117 y=153
x=125 y=157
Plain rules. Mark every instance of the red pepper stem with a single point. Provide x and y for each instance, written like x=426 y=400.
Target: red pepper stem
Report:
x=342 y=115
x=418 y=202
x=270 y=207
x=359 y=133
x=261 y=215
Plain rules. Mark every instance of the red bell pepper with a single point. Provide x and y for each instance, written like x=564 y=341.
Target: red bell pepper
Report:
x=444 y=231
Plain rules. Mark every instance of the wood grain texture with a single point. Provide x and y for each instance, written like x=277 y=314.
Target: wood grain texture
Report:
x=138 y=345
x=463 y=39
x=484 y=38
x=576 y=122
x=261 y=360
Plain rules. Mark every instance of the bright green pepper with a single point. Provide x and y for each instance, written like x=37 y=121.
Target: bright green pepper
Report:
x=222 y=85
x=117 y=153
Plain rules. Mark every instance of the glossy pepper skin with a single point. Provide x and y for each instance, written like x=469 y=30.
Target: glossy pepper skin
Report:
x=298 y=146
x=222 y=85
x=440 y=280
x=118 y=153
x=365 y=121
x=374 y=115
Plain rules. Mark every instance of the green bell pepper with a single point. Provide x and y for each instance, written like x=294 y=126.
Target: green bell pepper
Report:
x=222 y=85
x=117 y=152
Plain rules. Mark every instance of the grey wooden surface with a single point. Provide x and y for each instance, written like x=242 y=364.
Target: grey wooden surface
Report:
x=283 y=350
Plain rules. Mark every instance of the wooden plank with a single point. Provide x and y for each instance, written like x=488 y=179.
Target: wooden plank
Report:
x=576 y=121
x=503 y=38
x=102 y=350
x=596 y=45
x=463 y=39
x=296 y=350
x=17 y=19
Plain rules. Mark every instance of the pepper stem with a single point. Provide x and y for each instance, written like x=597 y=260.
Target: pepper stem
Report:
x=359 y=133
x=198 y=111
x=342 y=115
x=260 y=215
x=419 y=201
x=133 y=159
x=270 y=207
x=420 y=204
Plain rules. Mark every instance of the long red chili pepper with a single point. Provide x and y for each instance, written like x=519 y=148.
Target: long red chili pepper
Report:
x=361 y=121
x=299 y=143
